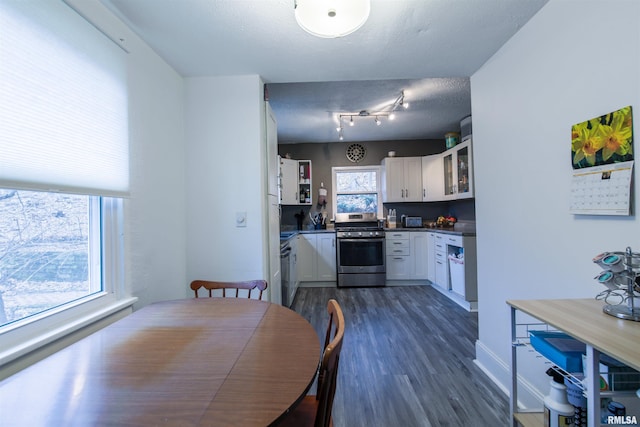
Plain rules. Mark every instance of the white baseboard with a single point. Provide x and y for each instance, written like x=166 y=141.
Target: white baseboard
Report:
x=471 y=306
x=406 y=282
x=317 y=285
x=499 y=372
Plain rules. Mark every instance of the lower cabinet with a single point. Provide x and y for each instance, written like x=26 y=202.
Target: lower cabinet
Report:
x=441 y=265
x=431 y=257
x=406 y=253
x=317 y=257
x=293 y=264
x=419 y=253
x=455 y=272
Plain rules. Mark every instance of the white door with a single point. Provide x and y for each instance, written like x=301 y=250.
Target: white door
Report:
x=307 y=260
x=432 y=178
x=275 y=279
x=289 y=182
x=273 y=168
x=419 y=253
x=393 y=176
x=412 y=179
x=326 y=245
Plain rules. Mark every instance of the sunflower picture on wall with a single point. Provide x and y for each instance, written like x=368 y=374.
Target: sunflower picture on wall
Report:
x=603 y=140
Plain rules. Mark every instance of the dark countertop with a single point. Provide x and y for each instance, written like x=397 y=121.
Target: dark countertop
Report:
x=459 y=231
x=286 y=235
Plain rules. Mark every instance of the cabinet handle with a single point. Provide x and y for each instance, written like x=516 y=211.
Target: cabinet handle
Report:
x=424 y=192
x=402 y=193
x=406 y=193
x=397 y=243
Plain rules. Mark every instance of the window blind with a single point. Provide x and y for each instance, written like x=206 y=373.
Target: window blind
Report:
x=63 y=102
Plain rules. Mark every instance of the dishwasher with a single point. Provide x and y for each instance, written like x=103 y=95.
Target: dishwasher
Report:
x=285 y=274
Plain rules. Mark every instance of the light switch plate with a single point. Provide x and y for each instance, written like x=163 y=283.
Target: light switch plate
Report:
x=241 y=219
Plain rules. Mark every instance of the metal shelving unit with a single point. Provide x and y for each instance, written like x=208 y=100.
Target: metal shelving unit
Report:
x=584 y=320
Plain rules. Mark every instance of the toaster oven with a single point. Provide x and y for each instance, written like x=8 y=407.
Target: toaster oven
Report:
x=412 y=222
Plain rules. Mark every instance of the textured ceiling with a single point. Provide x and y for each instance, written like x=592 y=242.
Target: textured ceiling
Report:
x=428 y=48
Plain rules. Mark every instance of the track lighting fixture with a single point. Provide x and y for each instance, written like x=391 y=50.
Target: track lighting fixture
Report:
x=389 y=112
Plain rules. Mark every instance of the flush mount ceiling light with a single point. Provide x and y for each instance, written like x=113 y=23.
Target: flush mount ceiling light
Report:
x=331 y=18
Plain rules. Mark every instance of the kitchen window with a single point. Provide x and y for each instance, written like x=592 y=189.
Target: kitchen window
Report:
x=357 y=189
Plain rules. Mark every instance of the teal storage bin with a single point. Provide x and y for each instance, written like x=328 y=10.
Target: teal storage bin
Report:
x=561 y=349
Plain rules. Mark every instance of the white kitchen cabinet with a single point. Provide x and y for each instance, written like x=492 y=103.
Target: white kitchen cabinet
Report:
x=456 y=280
x=293 y=263
x=406 y=254
x=304 y=182
x=295 y=182
x=441 y=266
x=457 y=163
x=402 y=179
x=431 y=257
x=307 y=262
x=419 y=253
x=317 y=257
x=432 y=178
x=289 y=192
x=326 y=255
x=398 y=253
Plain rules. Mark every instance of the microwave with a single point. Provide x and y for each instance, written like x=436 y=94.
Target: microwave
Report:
x=412 y=222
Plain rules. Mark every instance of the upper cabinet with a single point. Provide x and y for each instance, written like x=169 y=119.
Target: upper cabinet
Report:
x=295 y=182
x=432 y=178
x=304 y=182
x=288 y=182
x=402 y=179
x=458 y=171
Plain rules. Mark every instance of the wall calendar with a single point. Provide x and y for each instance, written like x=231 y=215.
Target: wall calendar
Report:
x=602 y=190
x=602 y=161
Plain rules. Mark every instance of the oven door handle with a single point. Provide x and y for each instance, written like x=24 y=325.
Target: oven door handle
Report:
x=364 y=239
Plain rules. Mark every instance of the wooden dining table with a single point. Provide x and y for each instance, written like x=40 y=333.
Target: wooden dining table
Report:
x=191 y=362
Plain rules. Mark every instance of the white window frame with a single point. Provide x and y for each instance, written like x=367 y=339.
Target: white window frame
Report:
x=20 y=338
x=334 y=190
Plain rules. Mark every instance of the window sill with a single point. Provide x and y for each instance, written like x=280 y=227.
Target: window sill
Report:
x=42 y=344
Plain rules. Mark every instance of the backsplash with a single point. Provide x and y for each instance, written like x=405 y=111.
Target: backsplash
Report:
x=463 y=210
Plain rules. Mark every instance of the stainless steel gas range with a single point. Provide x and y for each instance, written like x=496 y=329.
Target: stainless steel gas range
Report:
x=360 y=250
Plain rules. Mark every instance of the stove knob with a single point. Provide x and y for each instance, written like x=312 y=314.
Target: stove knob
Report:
x=360 y=233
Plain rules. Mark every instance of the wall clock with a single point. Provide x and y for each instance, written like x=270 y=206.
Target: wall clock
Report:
x=356 y=152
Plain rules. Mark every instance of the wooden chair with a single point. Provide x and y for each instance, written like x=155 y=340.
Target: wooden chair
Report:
x=316 y=410
x=261 y=285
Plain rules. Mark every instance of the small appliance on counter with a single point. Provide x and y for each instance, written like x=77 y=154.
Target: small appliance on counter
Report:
x=412 y=221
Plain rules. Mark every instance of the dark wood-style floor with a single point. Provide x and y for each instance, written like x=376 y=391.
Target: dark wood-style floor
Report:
x=407 y=359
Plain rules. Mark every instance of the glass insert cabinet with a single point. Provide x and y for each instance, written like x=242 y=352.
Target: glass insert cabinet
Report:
x=458 y=181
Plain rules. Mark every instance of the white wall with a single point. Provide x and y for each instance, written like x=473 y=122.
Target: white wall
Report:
x=575 y=60
x=155 y=214
x=225 y=175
